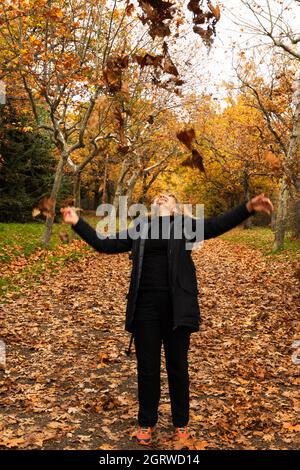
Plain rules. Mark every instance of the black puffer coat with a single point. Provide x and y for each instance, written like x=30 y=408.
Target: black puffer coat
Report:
x=182 y=273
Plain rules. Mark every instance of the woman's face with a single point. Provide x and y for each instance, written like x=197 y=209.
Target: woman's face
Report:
x=168 y=201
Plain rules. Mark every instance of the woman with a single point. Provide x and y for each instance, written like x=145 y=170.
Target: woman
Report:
x=162 y=302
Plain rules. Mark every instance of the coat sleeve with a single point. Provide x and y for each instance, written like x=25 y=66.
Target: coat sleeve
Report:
x=215 y=226
x=119 y=243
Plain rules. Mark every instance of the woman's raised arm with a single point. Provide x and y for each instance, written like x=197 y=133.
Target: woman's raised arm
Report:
x=119 y=243
x=215 y=226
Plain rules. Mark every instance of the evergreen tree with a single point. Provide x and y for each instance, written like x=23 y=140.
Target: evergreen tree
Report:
x=26 y=166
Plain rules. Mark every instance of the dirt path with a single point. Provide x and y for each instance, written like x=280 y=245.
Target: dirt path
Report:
x=69 y=385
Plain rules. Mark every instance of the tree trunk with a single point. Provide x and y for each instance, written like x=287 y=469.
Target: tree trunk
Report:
x=54 y=193
x=131 y=185
x=120 y=184
x=97 y=194
x=105 y=176
x=281 y=215
x=291 y=163
x=289 y=183
x=76 y=194
x=144 y=189
x=273 y=221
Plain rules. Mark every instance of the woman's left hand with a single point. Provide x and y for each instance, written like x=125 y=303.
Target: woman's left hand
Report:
x=260 y=203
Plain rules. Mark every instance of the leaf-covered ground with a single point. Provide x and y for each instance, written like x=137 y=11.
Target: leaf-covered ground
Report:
x=68 y=383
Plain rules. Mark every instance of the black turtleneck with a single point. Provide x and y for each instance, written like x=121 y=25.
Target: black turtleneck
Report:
x=155 y=261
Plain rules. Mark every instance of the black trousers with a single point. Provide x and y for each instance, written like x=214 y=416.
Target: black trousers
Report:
x=153 y=325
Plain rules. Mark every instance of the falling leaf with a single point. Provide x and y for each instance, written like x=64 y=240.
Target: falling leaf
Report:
x=186 y=136
x=148 y=59
x=45 y=207
x=215 y=11
x=129 y=9
x=195 y=161
x=35 y=212
x=113 y=72
x=154 y=14
x=207 y=20
x=169 y=66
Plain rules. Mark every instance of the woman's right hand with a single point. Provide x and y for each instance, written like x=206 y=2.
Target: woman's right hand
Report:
x=69 y=215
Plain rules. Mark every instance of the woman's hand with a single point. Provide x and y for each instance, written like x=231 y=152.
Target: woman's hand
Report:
x=260 y=203
x=69 y=215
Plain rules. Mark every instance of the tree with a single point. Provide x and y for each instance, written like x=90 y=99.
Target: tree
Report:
x=26 y=165
x=68 y=54
x=273 y=24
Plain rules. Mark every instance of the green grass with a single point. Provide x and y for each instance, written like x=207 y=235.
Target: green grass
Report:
x=262 y=238
x=24 y=240
x=19 y=241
